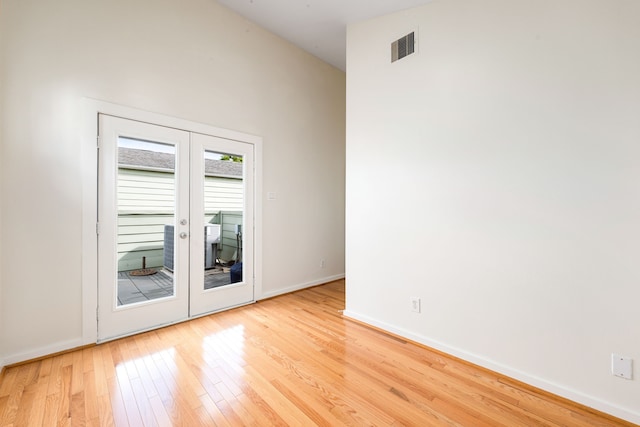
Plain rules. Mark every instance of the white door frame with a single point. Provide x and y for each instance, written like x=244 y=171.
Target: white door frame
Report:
x=89 y=143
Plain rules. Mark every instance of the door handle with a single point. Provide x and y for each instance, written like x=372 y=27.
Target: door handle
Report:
x=183 y=235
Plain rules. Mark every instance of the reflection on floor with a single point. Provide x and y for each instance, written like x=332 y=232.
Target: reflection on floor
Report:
x=132 y=289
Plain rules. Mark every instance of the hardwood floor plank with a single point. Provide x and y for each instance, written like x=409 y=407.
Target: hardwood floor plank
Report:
x=126 y=368
x=242 y=415
x=105 y=414
x=36 y=414
x=142 y=400
x=128 y=398
x=159 y=411
x=229 y=414
x=254 y=404
x=274 y=400
x=203 y=416
x=118 y=410
x=188 y=413
x=290 y=360
x=313 y=408
x=90 y=395
x=77 y=412
x=4 y=409
x=63 y=416
x=51 y=408
x=24 y=404
x=99 y=374
x=8 y=380
x=216 y=415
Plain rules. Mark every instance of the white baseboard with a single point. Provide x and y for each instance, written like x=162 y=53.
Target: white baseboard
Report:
x=540 y=383
x=301 y=286
x=42 y=351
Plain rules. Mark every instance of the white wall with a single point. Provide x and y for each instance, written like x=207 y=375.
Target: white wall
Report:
x=193 y=60
x=2 y=184
x=2 y=310
x=506 y=151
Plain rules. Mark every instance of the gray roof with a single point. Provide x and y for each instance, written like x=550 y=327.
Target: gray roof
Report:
x=132 y=158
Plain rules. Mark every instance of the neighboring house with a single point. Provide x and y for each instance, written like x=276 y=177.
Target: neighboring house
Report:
x=146 y=188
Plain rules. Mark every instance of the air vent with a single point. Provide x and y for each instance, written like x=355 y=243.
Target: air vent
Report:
x=403 y=47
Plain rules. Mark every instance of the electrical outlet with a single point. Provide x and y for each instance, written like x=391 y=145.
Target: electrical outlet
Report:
x=622 y=366
x=415 y=304
x=323 y=264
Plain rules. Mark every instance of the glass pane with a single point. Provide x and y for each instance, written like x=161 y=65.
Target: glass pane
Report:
x=146 y=211
x=223 y=209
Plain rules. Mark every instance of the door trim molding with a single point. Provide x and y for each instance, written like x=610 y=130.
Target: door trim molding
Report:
x=88 y=141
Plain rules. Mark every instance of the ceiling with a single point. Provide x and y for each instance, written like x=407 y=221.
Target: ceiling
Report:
x=317 y=26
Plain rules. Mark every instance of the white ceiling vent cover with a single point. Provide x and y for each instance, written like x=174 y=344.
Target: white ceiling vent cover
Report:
x=402 y=47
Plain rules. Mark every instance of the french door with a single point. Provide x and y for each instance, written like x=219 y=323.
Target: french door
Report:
x=175 y=219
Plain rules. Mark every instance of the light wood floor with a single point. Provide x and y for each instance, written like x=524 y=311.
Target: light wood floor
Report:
x=291 y=360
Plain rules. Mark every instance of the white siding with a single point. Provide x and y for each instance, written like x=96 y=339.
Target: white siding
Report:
x=222 y=194
x=145 y=206
x=145 y=192
x=138 y=236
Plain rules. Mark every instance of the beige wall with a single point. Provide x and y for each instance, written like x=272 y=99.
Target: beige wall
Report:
x=193 y=60
x=507 y=153
x=2 y=185
x=2 y=338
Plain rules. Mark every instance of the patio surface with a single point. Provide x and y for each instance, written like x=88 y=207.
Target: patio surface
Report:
x=132 y=289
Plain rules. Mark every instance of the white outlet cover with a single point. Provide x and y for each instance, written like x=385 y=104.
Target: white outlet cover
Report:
x=622 y=366
x=415 y=304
